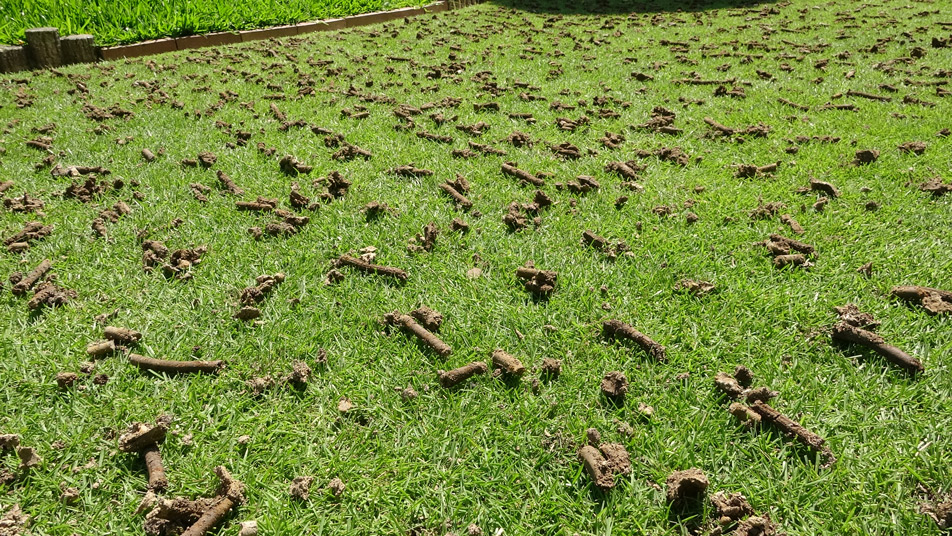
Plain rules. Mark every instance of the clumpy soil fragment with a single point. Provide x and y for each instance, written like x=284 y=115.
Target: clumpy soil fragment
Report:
x=616 y=329
x=605 y=462
x=452 y=378
x=409 y=324
x=933 y=300
x=615 y=385
x=541 y=283
x=686 y=488
x=347 y=260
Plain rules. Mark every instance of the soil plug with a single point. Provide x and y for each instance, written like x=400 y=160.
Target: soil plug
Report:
x=619 y=330
x=615 y=386
x=452 y=378
x=230 y=494
x=372 y=268
x=28 y=458
x=538 y=282
x=101 y=349
x=844 y=332
x=510 y=169
x=934 y=300
x=141 y=437
x=30 y=279
x=791 y=427
x=411 y=325
x=507 y=363
x=176 y=367
x=597 y=467
x=686 y=488
x=121 y=335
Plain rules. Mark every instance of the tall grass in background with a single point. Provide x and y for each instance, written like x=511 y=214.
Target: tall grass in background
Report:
x=126 y=21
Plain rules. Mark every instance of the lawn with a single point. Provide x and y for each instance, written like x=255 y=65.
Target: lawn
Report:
x=495 y=453
x=115 y=22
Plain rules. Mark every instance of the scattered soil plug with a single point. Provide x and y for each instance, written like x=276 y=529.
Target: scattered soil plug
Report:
x=510 y=169
x=686 y=489
x=934 y=300
x=27 y=281
x=615 y=386
x=538 y=282
x=616 y=329
x=176 y=367
x=452 y=378
x=121 y=335
x=140 y=437
x=597 y=467
x=408 y=323
x=507 y=363
x=347 y=260
x=791 y=427
x=844 y=332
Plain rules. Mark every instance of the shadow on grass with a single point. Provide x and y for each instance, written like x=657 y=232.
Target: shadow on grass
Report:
x=619 y=7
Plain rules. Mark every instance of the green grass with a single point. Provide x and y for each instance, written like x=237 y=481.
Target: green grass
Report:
x=115 y=22
x=496 y=455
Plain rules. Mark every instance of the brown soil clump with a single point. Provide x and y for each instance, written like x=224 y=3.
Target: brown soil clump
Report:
x=176 y=367
x=121 y=335
x=616 y=329
x=614 y=385
x=751 y=170
x=934 y=300
x=425 y=241
x=452 y=378
x=597 y=467
x=140 y=437
x=611 y=250
x=551 y=368
x=844 y=332
x=49 y=295
x=247 y=313
x=936 y=187
x=540 y=283
x=227 y=184
x=337 y=186
x=24 y=203
x=851 y=315
x=347 y=260
x=794 y=224
x=865 y=156
x=792 y=428
x=408 y=323
x=695 y=287
x=686 y=488
x=509 y=168
x=32 y=231
x=628 y=170
x=291 y=166
x=914 y=147
x=301 y=488
x=756 y=526
x=14 y=522
x=825 y=187
x=616 y=458
x=24 y=283
x=257 y=293
x=508 y=364
x=730 y=507
x=430 y=319
x=410 y=170
x=181 y=517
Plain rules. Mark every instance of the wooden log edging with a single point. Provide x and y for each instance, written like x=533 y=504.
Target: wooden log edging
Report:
x=81 y=49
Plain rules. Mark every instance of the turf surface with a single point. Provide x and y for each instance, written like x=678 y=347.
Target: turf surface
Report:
x=495 y=454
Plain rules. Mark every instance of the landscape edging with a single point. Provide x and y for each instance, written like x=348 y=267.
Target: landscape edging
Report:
x=171 y=44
